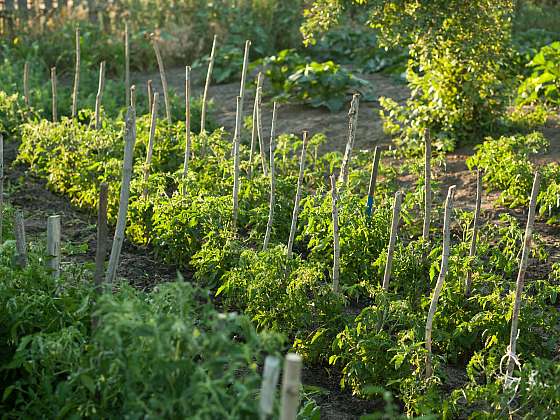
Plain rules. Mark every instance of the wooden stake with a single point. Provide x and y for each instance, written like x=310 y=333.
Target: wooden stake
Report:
x=150 y=148
x=427 y=187
x=352 y=124
x=130 y=139
x=26 y=83
x=255 y=129
x=295 y=213
x=271 y=374
x=76 y=76
x=21 y=246
x=53 y=245
x=127 y=64
x=336 y=239
x=291 y=384
x=1 y=188
x=238 y=124
x=373 y=179
x=187 y=123
x=392 y=239
x=102 y=236
x=206 y=87
x=53 y=90
x=163 y=78
x=472 y=250
x=521 y=275
x=272 y=179
x=99 y=96
x=259 y=133
x=441 y=278
x=133 y=96
x=150 y=95
x=236 y=141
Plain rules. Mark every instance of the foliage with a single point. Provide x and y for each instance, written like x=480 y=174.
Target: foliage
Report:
x=544 y=82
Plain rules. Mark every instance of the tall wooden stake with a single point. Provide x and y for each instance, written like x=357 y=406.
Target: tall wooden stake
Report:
x=336 y=239
x=207 y=86
x=1 y=188
x=272 y=179
x=133 y=96
x=26 y=83
x=392 y=239
x=102 y=236
x=53 y=90
x=21 y=246
x=472 y=250
x=352 y=124
x=295 y=213
x=130 y=139
x=99 y=96
x=236 y=141
x=255 y=132
x=291 y=384
x=150 y=149
x=373 y=179
x=150 y=95
x=270 y=376
x=127 y=64
x=187 y=123
x=521 y=276
x=76 y=76
x=427 y=187
x=53 y=245
x=163 y=78
x=441 y=278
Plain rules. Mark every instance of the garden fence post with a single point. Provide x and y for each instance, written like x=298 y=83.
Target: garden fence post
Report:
x=163 y=77
x=102 y=236
x=53 y=245
x=99 y=95
x=352 y=124
x=373 y=179
x=205 y=92
x=150 y=148
x=336 y=238
x=392 y=239
x=291 y=384
x=295 y=213
x=271 y=374
x=21 y=246
x=272 y=179
x=472 y=250
x=76 y=76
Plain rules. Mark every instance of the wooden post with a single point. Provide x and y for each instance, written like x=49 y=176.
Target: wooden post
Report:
x=271 y=374
x=272 y=179
x=392 y=240
x=262 y=148
x=21 y=246
x=255 y=132
x=53 y=245
x=336 y=238
x=472 y=250
x=291 y=384
x=133 y=97
x=295 y=213
x=427 y=187
x=163 y=78
x=352 y=124
x=244 y=77
x=53 y=90
x=99 y=96
x=527 y=241
x=206 y=87
x=76 y=76
x=150 y=148
x=130 y=139
x=150 y=95
x=236 y=141
x=441 y=278
x=127 y=64
x=373 y=179
x=187 y=123
x=26 y=83
x=1 y=188
x=102 y=236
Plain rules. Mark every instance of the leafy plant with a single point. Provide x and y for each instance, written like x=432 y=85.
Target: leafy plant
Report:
x=543 y=85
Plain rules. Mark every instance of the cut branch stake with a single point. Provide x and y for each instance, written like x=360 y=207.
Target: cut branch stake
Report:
x=441 y=278
x=127 y=64
x=150 y=149
x=53 y=91
x=163 y=78
x=336 y=238
x=427 y=187
x=291 y=384
x=102 y=236
x=99 y=96
x=373 y=179
x=76 y=76
x=187 y=123
x=150 y=95
x=238 y=126
x=521 y=275
x=472 y=250
x=53 y=245
x=21 y=246
x=26 y=83
x=255 y=132
x=272 y=178
x=295 y=213
x=270 y=376
x=236 y=166
x=206 y=87
x=352 y=124
x=392 y=239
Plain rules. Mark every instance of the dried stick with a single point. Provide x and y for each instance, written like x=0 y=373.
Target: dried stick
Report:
x=238 y=125
x=472 y=250
x=53 y=90
x=373 y=179
x=271 y=374
x=427 y=187
x=336 y=238
x=272 y=179
x=527 y=241
x=150 y=148
x=127 y=64
x=99 y=95
x=187 y=122
x=130 y=139
x=150 y=95
x=236 y=165
x=295 y=213
x=21 y=246
x=255 y=129
x=441 y=278
x=102 y=236
x=1 y=188
x=352 y=124
x=206 y=87
x=26 y=83
x=76 y=76
x=53 y=245
x=259 y=133
x=392 y=239
x=291 y=384
x=163 y=78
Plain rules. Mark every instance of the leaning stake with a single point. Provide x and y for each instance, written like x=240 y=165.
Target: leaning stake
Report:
x=53 y=245
x=53 y=91
x=206 y=87
x=76 y=76
x=440 y=280
x=236 y=165
x=352 y=124
x=130 y=139
x=427 y=187
x=392 y=239
x=291 y=384
x=521 y=278
x=295 y=213
x=26 y=83
x=99 y=96
x=127 y=64
x=102 y=236
x=472 y=250
x=272 y=179
x=150 y=149
x=336 y=239
x=163 y=78
x=255 y=127
x=373 y=179
x=187 y=123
